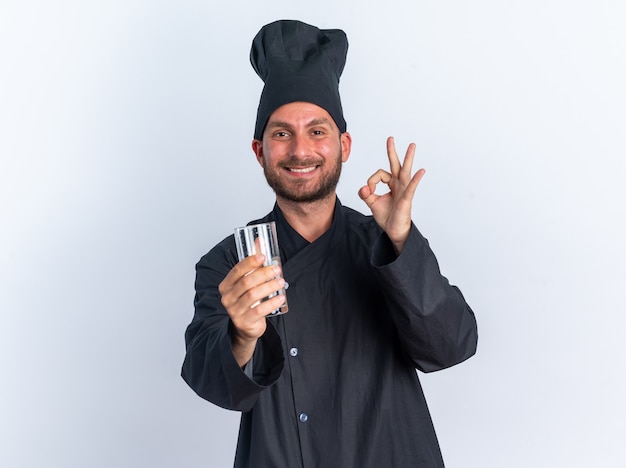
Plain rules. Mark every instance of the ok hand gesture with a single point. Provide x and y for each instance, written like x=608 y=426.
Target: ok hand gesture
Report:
x=392 y=211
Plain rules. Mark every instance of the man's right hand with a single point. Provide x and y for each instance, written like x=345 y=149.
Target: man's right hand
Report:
x=242 y=290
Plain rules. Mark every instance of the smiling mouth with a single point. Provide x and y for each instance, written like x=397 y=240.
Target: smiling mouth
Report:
x=301 y=170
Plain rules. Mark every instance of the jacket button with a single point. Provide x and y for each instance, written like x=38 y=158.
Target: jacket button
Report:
x=293 y=352
x=304 y=417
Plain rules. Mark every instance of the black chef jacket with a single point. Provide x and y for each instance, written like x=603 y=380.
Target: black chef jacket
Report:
x=333 y=381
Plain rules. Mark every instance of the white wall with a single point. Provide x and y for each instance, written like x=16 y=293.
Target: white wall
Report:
x=125 y=131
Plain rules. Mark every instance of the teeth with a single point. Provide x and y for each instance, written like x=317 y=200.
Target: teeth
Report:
x=301 y=171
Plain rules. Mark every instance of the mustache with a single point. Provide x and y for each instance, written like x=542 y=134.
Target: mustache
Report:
x=298 y=162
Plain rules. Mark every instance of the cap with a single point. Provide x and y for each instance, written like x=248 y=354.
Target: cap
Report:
x=298 y=62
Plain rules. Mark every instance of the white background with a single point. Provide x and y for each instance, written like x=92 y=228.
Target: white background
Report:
x=125 y=131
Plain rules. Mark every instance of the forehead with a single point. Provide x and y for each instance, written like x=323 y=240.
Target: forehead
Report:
x=300 y=114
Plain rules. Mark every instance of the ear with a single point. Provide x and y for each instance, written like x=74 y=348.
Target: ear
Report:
x=346 y=146
x=257 y=147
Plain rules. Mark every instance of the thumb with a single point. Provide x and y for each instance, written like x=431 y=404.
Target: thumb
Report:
x=366 y=194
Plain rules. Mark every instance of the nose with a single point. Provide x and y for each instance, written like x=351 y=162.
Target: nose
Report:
x=299 y=147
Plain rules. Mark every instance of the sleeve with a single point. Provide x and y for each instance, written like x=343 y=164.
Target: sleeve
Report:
x=435 y=325
x=210 y=368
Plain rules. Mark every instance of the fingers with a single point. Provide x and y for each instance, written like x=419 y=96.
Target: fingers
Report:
x=394 y=161
x=242 y=268
x=401 y=182
x=264 y=308
x=412 y=186
x=407 y=165
x=364 y=192
x=367 y=196
x=367 y=192
x=379 y=176
x=400 y=170
x=254 y=296
x=249 y=282
x=246 y=301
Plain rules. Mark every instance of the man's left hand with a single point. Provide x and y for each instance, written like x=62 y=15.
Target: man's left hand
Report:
x=392 y=211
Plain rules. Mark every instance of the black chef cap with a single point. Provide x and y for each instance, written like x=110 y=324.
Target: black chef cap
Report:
x=298 y=62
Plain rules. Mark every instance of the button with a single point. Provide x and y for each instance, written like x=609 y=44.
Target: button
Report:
x=304 y=417
x=293 y=352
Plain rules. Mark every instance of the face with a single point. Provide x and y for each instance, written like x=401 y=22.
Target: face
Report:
x=302 y=152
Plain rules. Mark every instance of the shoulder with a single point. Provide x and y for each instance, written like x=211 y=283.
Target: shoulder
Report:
x=356 y=220
x=360 y=226
x=222 y=255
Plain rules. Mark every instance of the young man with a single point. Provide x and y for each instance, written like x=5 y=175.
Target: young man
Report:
x=332 y=383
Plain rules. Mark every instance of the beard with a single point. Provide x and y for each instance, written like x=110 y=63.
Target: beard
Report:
x=299 y=190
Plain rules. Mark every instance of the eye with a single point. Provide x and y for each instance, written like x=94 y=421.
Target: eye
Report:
x=281 y=134
x=317 y=132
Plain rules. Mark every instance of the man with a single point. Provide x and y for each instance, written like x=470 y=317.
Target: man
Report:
x=332 y=383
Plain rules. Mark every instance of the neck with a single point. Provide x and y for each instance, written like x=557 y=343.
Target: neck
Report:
x=310 y=220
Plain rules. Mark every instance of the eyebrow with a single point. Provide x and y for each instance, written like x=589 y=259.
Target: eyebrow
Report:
x=278 y=124
x=311 y=123
x=320 y=121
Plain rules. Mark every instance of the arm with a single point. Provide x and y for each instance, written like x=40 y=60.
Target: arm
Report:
x=436 y=327
x=211 y=367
